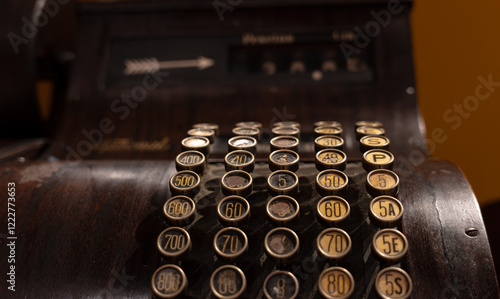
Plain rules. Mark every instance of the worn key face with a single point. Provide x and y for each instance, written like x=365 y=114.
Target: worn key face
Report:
x=284 y=160
x=228 y=282
x=282 y=209
x=185 y=182
x=203 y=132
x=282 y=182
x=196 y=143
x=333 y=243
x=390 y=245
x=179 y=210
x=332 y=210
x=242 y=143
x=281 y=244
x=174 y=242
x=382 y=182
x=394 y=283
x=230 y=243
x=237 y=182
x=233 y=210
x=168 y=281
x=336 y=282
x=247 y=131
x=281 y=285
x=284 y=142
x=331 y=182
x=386 y=211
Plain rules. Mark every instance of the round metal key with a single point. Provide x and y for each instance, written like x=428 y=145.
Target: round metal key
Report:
x=196 y=143
x=382 y=182
x=228 y=282
x=240 y=160
x=281 y=285
x=331 y=182
x=281 y=244
x=230 y=243
x=330 y=159
x=374 y=142
x=393 y=283
x=282 y=209
x=390 y=245
x=282 y=182
x=332 y=210
x=328 y=142
x=179 y=210
x=185 y=182
x=333 y=243
x=237 y=182
x=169 y=281
x=284 y=160
x=377 y=159
x=386 y=211
x=191 y=160
x=336 y=283
x=174 y=242
x=284 y=142
x=233 y=210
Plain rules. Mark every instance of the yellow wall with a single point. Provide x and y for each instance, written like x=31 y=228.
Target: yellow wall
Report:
x=455 y=42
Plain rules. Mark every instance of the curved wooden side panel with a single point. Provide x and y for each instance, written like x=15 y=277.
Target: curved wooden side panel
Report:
x=449 y=254
x=84 y=229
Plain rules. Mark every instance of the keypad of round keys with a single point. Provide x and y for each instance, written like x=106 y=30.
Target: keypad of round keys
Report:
x=283 y=228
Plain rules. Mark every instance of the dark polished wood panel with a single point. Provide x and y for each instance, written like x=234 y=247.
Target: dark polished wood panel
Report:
x=449 y=252
x=84 y=228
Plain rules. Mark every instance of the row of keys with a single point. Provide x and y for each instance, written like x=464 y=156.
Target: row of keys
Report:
x=330 y=181
x=385 y=211
x=286 y=138
x=321 y=128
x=229 y=281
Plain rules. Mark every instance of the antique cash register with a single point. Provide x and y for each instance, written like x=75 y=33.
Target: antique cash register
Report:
x=239 y=148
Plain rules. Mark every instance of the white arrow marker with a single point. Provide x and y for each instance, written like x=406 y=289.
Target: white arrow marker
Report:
x=152 y=65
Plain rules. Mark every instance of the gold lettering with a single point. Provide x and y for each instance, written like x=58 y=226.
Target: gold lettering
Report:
x=126 y=144
x=267 y=39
